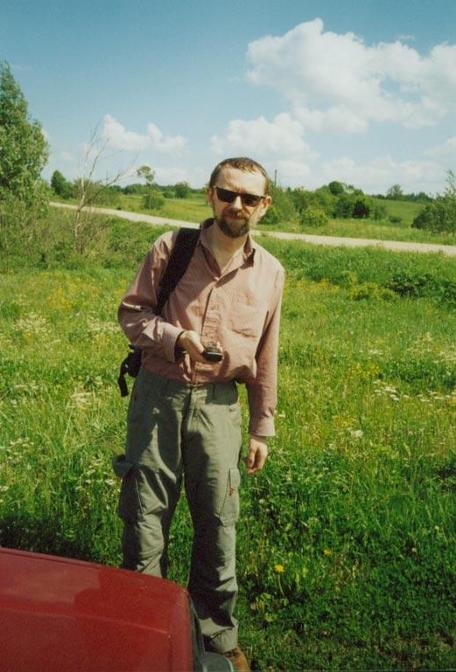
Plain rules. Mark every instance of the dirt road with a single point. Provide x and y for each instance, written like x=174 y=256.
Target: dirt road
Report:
x=449 y=250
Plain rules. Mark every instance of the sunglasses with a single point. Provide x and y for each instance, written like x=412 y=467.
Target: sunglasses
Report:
x=251 y=200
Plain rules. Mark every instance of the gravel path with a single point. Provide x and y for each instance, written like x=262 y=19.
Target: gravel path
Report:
x=449 y=250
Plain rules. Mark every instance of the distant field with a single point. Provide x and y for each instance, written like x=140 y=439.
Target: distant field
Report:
x=347 y=542
x=196 y=209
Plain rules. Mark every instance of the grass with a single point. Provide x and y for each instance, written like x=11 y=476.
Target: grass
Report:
x=195 y=209
x=347 y=539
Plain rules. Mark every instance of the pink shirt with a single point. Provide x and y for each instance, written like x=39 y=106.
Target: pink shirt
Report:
x=239 y=308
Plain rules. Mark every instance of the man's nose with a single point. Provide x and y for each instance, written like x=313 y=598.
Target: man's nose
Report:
x=237 y=203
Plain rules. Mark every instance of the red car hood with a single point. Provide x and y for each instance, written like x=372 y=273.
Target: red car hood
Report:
x=62 y=615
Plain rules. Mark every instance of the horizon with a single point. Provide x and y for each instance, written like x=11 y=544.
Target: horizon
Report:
x=314 y=91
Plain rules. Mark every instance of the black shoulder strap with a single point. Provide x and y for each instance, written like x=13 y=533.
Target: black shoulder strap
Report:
x=178 y=263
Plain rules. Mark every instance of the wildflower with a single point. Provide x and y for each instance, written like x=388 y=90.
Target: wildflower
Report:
x=279 y=569
x=327 y=552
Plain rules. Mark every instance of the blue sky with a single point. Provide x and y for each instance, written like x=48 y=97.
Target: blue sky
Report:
x=362 y=92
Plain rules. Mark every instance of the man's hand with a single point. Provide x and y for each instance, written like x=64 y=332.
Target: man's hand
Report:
x=258 y=452
x=190 y=342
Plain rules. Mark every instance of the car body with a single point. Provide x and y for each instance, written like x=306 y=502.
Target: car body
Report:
x=64 y=615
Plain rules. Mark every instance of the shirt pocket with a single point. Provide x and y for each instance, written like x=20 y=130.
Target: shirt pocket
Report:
x=247 y=318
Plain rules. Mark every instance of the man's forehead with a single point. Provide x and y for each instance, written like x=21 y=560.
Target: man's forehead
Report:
x=241 y=180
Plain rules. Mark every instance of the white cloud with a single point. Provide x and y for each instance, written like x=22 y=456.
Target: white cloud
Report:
x=66 y=156
x=119 y=138
x=262 y=138
x=377 y=175
x=337 y=82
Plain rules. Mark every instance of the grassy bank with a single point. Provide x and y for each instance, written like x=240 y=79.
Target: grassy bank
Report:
x=347 y=539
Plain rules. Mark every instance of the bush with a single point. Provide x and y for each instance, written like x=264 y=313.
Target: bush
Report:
x=314 y=216
x=154 y=200
x=182 y=190
x=439 y=216
x=282 y=208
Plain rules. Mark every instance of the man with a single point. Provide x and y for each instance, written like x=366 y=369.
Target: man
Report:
x=184 y=419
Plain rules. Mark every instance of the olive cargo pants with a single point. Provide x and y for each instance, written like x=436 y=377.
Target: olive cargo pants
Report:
x=180 y=431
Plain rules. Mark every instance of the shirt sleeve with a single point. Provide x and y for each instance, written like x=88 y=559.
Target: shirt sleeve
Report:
x=136 y=314
x=262 y=391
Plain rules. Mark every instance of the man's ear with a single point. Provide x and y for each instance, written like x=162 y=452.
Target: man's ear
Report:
x=267 y=201
x=210 y=195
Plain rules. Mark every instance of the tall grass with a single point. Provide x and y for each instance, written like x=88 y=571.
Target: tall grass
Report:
x=347 y=539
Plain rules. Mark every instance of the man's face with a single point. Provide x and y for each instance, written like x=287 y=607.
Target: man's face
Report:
x=236 y=218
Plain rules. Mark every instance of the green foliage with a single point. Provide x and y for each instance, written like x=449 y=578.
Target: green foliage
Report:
x=282 y=208
x=440 y=215
x=61 y=186
x=395 y=192
x=182 y=190
x=23 y=147
x=153 y=200
x=336 y=188
x=314 y=216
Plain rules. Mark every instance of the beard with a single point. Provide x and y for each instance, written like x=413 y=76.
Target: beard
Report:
x=234 y=229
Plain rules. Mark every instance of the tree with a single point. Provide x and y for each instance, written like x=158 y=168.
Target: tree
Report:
x=395 y=192
x=182 y=190
x=440 y=215
x=153 y=199
x=336 y=188
x=23 y=147
x=61 y=186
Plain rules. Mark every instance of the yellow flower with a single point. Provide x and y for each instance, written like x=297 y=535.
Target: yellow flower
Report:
x=279 y=569
x=327 y=552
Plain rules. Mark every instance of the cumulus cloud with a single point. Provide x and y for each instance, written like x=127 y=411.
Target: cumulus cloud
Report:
x=337 y=82
x=281 y=137
x=120 y=138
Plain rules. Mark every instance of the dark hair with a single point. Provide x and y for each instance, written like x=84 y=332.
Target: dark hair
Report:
x=241 y=163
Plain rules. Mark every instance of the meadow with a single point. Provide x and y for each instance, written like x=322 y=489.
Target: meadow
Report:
x=347 y=553
x=195 y=209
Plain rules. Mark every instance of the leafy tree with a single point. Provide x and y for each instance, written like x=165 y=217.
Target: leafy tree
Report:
x=282 y=208
x=440 y=215
x=182 y=190
x=61 y=186
x=23 y=147
x=336 y=188
x=147 y=174
x=314 y=216
x=153 y=198
x=395 y=193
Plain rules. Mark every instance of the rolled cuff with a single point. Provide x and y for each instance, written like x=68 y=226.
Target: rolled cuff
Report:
x=170 y=334
x=262 y=426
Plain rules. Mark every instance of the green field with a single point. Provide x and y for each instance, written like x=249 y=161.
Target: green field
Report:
x=195 y=209
x=347 y=553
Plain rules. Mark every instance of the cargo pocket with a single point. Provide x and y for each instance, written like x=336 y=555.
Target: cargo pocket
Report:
x=229 y=513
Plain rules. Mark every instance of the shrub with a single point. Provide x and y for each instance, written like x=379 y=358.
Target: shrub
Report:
x=154 y=200
x=314 y=216
x=182 y=190
x=282 y=208
x=440 y=215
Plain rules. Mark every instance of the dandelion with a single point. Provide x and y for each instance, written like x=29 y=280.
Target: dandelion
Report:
x=328 y=552
x=279 y=569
